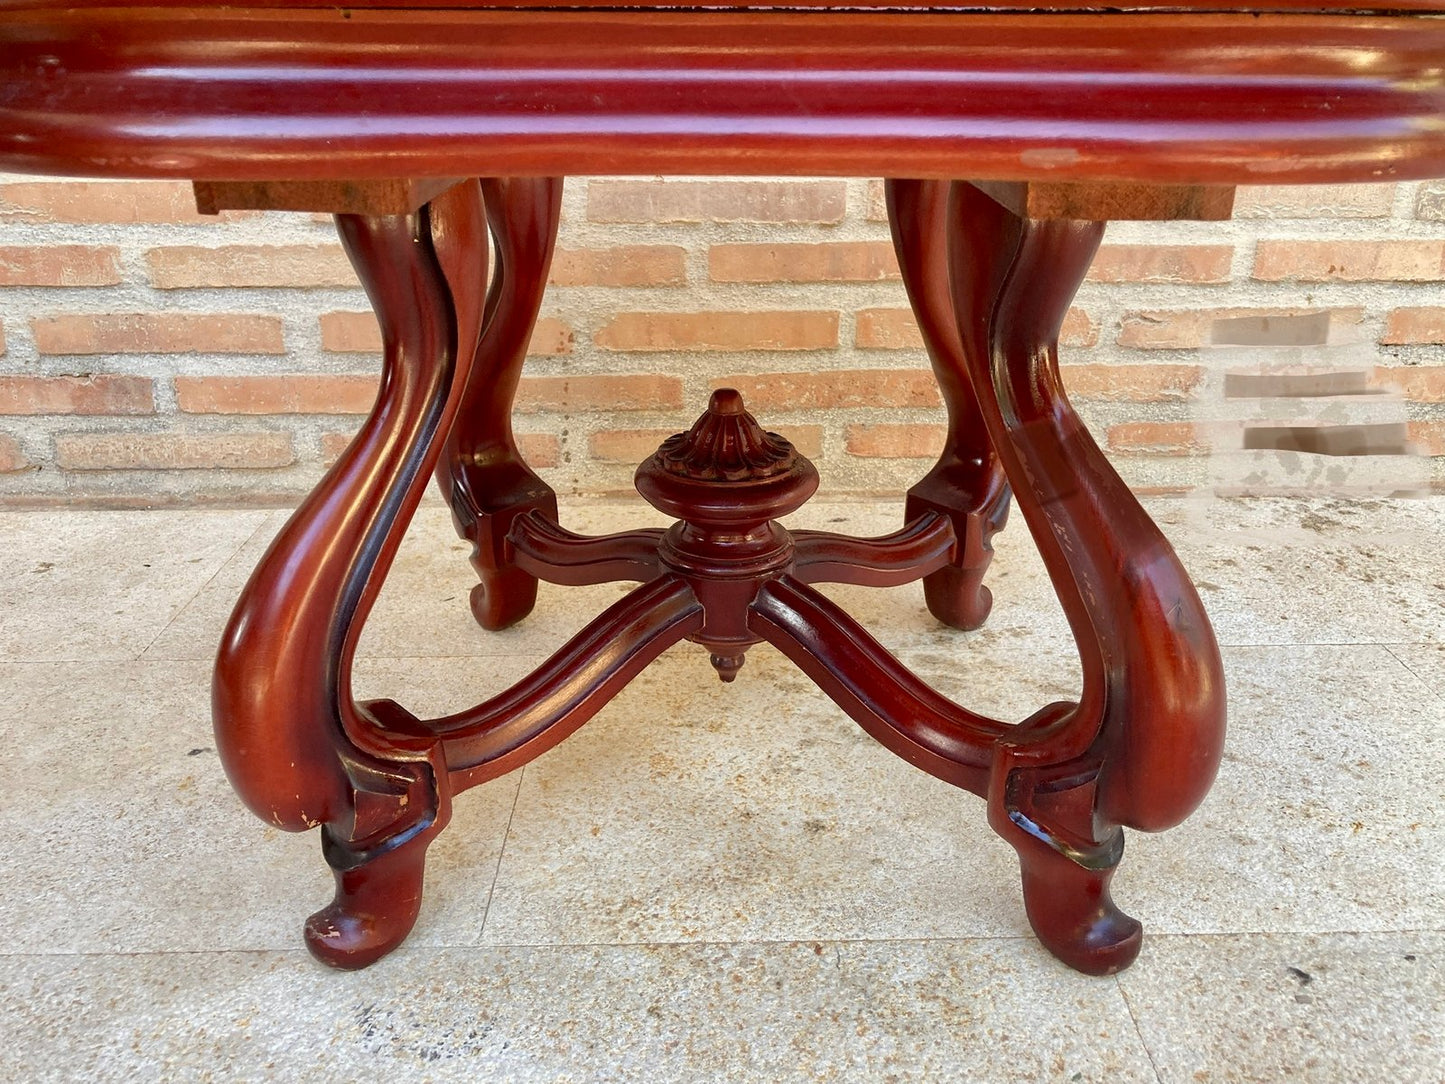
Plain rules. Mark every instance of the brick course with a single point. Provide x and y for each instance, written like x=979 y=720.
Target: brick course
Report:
x=147 y=349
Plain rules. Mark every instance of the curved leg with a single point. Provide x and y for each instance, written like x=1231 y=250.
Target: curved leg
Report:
x=297 y=747
x=481 y=472
x=967 y=484
x=1142 y=746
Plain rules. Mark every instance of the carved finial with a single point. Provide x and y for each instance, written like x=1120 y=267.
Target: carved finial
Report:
x=726 y=444
x=727 y=666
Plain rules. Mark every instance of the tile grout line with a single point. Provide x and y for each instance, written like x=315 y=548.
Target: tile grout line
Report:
x=199 y=590
x=1429 y=685
x=501 y=853
x=768 y=942
x=1138 y=1030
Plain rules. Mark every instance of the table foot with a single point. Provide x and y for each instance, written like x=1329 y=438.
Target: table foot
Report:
x=482 y=472
x=299 y=750
x=967 y=484
x=1073 y=915
x=380 y=859
x=1141 y=747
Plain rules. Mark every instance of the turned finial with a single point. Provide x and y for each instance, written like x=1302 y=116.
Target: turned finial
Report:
x=726 y=444
x=726 y=469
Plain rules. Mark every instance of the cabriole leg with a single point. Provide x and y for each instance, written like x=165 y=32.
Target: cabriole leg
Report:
x=482 y=473
x=1141 y=747
x=297 y=747
x=967 y=484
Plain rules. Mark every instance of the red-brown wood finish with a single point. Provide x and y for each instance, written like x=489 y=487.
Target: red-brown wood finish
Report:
x=484 y=477
x=1059 y=114
x=206 y=93
x=967 y=484
x=299 y=750
x=1143 y=744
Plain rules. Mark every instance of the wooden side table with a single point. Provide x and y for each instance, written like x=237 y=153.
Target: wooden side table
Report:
x=1013 y=137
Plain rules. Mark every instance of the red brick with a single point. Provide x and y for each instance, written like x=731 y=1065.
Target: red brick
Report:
x=173 y=451
x=720 y=331
x=877 y=205
x=716 y=201
x=1186 y=264
x=895 y=441
x=896 y=329
x=98 y=394
x=12 y=459
x=1427 y=436
x=601 y=392
x=296 y=266
x=1415 y=325
x=109 y=202
x=332 y=445
x=832 y=390
x=59 y=265
x=358 y=333
x=1156 y=438
x=634 y=445
x=1350 y=261
x=628 y=265
x=1131 y=383
x=1314 y=201
x=158 y=333
x=1191 y=329
x=288 y=394
x=831 y=261
x=1417 y=383
x=540 y=450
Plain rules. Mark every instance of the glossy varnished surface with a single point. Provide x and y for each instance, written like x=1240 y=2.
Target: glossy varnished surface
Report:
x=313 y=93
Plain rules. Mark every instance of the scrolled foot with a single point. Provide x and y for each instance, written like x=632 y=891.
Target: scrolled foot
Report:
x=956 y=594
x=1073 y=914
x=503 y=597
x=376 y=904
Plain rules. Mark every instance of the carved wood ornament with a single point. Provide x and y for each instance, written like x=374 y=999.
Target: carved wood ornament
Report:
x=1068 y=115
x=990 y=289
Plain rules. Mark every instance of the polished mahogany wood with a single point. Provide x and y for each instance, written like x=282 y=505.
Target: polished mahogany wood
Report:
x=486 y=481
x=297 y=747
x=1310 y=6
x=1142 y=746
x=967 y=484
x=1065 y=119
x=207 y=93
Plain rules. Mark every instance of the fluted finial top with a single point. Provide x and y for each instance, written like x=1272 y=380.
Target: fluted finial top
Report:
x=726 y=444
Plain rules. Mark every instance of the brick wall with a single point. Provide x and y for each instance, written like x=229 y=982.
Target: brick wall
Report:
x=151 y=354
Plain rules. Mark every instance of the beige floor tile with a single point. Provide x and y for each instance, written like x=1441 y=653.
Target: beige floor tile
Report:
x=1328 y=811
x=1317 y=571
x=676 y=1013
x=1314 y=1009
x=123 y=835
x=1425 y=661
x=195 y=632
x=92 y=586
x=691 y=810
x=690 y=817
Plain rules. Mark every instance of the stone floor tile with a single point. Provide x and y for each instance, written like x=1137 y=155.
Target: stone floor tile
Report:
x=1425 y=661
x=693 y=810
x=123 y=835
x=1315 y=1009
x=678 y=1013
x=90 y=586
x=1328 y=812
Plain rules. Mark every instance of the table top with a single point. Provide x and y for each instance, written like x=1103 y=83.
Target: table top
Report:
x=281 y=89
